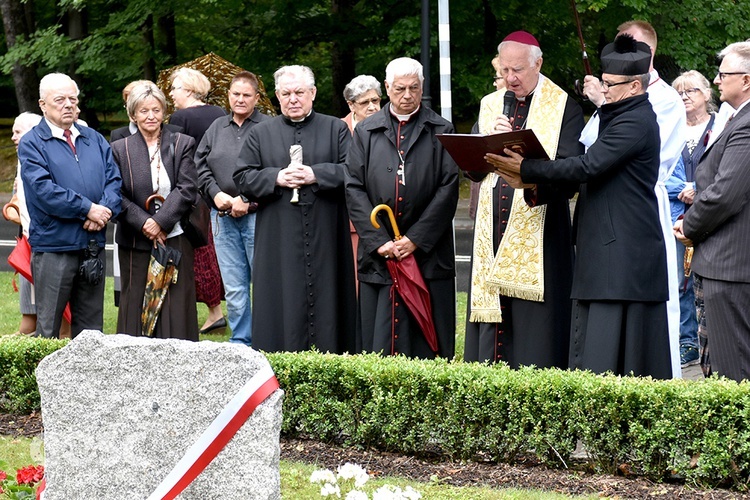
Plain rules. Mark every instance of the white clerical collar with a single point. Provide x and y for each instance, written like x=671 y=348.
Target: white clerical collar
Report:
x=404 y=118
x=58 y=132
x=301 y=119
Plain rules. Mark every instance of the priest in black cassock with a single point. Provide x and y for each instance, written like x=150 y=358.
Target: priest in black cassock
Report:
x=518 y=310
x=619 y=320
x=395 y=159
x=303 y=272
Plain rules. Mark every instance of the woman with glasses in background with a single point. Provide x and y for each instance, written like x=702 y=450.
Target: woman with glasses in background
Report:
x=695 y=91
x=362 y=95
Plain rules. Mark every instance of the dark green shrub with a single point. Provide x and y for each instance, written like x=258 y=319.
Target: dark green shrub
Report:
x=19 y=356
x=699 y=431
x=696 y=430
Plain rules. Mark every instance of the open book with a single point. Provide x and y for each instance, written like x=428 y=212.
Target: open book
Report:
x=468 y=150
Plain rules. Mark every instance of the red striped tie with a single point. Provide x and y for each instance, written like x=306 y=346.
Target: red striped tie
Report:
x=67 y=135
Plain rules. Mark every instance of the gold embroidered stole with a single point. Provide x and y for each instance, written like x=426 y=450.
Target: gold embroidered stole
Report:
x=517 y=270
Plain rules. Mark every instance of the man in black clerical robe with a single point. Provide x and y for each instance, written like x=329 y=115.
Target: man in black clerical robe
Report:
x=303 y=273
x=523 y=322
x=396 y=160
x=619 y=322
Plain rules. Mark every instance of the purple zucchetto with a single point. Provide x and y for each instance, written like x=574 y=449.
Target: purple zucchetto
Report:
x=523 y=37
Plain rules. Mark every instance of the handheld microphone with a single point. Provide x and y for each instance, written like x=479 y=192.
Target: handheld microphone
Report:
x=508 y=99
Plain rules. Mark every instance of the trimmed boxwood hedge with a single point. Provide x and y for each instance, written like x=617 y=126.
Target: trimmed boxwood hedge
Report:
x=699 y=431
x=19 y=357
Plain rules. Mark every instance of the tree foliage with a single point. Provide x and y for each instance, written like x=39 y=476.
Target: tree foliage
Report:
x=117 y=42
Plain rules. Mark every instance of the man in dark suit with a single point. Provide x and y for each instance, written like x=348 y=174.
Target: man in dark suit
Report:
x=718 y=223
x=619 y=319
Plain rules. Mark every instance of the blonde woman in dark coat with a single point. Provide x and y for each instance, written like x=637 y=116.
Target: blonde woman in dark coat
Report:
x=155 y=161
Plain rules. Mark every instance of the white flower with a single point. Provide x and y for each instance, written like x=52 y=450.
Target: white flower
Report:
x=330 y=489
x=411 y=494
x=356 y=495
x=353 y=471
x=323 y=476
x=389 y=492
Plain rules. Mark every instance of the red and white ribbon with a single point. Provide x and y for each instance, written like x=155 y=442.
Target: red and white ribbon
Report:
x=40 y=489
x=217 y=435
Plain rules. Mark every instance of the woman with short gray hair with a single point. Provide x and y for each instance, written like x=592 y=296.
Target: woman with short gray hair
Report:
x=362 y=95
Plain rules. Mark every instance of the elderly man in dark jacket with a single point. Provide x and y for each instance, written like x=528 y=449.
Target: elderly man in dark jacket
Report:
x=396 y=160
x=620 y=280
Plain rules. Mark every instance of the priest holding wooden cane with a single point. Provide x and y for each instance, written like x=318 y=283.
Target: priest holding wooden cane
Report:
x=619 y=319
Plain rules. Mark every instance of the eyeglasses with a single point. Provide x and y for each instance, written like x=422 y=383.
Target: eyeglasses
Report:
x=367 y=102
x=607 y=85
x=175 y=88
x=495 y=80
x=723 y=74
x=688 y=92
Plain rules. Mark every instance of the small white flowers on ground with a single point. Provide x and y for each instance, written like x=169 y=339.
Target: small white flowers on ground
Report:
x=329 y=489
x=352 y=473
x=389 y=492
x=323 y=476
x=357 y=495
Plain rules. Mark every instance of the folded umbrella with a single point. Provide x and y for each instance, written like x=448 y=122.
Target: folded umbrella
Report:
x=687 y=261
x=409 y=283
x=162 y=272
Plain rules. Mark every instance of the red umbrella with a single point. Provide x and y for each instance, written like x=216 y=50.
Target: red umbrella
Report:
x=20 y=259
x=408 y=281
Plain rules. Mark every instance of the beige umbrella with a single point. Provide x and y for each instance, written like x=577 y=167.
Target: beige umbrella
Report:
x=219 y=72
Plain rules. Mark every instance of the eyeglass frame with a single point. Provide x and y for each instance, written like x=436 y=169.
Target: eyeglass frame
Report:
x=723 y=74
x=367 y=102
x=688 y=92
x=607 y=85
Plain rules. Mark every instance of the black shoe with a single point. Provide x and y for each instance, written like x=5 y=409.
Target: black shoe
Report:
x=219 y=324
